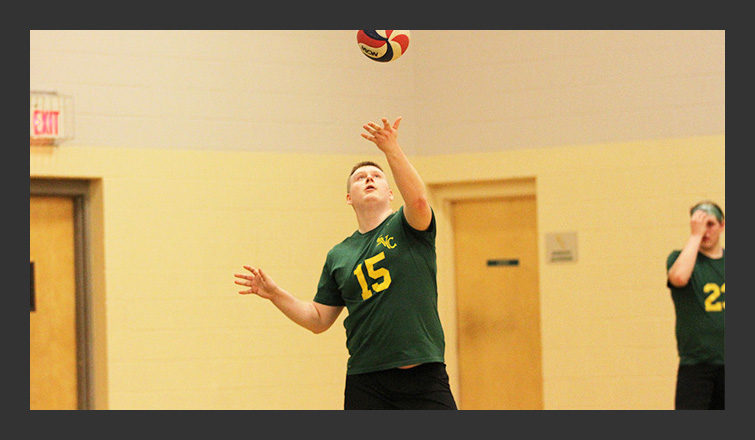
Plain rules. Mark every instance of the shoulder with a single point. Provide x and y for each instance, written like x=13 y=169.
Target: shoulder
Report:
x=672 y=257
x=401 y=215
x=343 y=245
x=426 y=236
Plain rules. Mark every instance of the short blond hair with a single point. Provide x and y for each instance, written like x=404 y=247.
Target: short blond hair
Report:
x=356 y=167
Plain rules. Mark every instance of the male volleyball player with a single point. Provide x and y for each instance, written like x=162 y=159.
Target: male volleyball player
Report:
x=385 y=276
x=696 y=277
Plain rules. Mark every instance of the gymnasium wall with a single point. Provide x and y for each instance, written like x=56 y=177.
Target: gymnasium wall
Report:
x=223 y=153
x=607 y=320
x=177 y=224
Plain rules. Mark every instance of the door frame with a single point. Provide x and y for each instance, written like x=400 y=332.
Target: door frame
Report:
x=80 y=191
x=442 y=196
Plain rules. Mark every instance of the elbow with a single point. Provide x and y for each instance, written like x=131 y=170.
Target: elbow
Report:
x=323 y=317
x=318 y=327
x=317 y=330
x=421 y=207
x=421 y=203
x=677 y=280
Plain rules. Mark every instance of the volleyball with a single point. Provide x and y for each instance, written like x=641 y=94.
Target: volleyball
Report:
x=383 y=46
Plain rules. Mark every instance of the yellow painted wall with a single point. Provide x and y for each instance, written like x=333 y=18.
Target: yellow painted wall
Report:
x=177 y=224
x=607 y=319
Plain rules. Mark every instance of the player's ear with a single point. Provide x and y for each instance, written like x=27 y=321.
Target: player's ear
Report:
x=348 y=199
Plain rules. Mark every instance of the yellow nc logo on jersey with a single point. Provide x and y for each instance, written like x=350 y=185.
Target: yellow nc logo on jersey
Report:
x=386 y=241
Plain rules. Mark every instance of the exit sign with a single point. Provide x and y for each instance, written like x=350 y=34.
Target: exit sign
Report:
x=50 y=118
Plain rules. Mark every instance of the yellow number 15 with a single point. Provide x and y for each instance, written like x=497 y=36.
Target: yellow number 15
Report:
x=373 y=273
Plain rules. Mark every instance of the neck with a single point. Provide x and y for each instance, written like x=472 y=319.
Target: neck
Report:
x=370 y=218
x=714 y=252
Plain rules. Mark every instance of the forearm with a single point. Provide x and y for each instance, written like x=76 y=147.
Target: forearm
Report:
x=408 y=180
x=299 y=311
x=681 y=271
x=411 y=187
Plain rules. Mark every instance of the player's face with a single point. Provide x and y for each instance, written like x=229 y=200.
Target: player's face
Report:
x=713 y=229
x=368 y=183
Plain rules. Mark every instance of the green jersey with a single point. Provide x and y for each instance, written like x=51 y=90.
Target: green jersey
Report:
x=700 y=311
x=386 y=279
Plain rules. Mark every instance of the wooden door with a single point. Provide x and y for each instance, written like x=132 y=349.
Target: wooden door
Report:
x=52 y=317
x=496 y=261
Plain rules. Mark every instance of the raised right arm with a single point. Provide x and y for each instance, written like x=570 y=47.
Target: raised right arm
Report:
x=681 y=271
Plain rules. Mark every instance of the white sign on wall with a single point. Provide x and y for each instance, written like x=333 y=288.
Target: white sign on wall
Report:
x=50 y=118
x=561 y=247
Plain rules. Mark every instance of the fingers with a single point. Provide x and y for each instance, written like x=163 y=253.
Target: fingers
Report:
x=247 y=280
x=700 y=216
x=697 y=222
x=245 y=292
x=387 y=125
x=397 y=123
x=374 y=129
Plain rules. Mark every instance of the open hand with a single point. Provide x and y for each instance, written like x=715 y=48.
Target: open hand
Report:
x=257 y=282
x=385 y=137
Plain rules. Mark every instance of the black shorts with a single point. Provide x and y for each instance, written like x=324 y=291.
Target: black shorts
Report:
x=700 y=387
x=425 y=386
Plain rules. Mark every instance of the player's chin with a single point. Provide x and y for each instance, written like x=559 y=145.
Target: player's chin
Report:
x=369 y=200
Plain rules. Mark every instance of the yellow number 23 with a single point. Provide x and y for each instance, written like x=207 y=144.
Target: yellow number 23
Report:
x=710 y=301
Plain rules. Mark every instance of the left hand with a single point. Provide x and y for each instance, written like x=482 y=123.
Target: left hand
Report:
x=385 y=137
